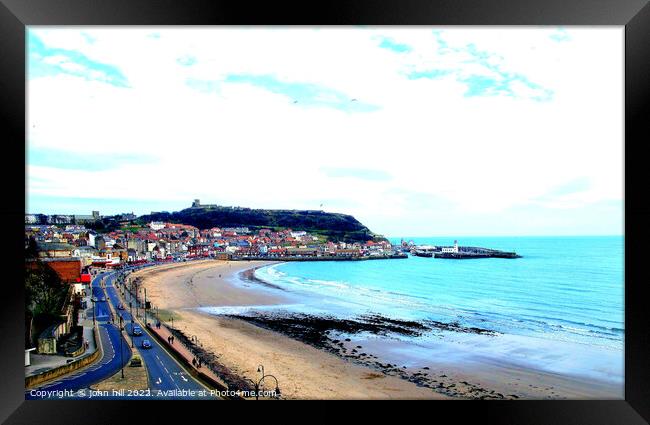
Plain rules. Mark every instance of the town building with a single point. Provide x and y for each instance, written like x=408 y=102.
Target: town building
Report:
x=451 y=249
x=56 y=250
x=157 y=225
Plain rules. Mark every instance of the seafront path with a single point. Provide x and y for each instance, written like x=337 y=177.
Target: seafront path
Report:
x=181 y=350
x=167 y=377
x=163 y=333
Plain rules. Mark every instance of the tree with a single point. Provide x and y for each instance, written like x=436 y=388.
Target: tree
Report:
x=98 y=226
x=45 y=296
x=31 y=252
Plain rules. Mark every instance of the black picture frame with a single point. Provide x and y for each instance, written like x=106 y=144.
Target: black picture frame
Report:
x=16 y=15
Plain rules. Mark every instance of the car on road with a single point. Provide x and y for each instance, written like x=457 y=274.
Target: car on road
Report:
x=146 y=343
x=137 y=331
x=103 y=299
x=136 y=361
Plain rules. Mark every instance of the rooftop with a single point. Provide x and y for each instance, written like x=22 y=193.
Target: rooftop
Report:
x=55 y=246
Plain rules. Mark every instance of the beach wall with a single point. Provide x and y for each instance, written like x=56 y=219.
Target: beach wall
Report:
x=33 y=380
x=259 y=258
x=217 y=385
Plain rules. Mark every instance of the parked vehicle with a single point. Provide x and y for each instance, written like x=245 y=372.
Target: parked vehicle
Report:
x=136 y=361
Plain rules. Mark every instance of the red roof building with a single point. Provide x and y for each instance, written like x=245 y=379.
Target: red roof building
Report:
x=68 y=269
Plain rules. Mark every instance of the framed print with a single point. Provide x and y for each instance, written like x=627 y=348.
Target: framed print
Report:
x=431 y=201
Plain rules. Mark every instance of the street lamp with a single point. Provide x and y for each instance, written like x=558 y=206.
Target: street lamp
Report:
x=137 y=304
x=277 y=386
x=258 y=384
x=92 y=300
x=121 y=350
x=131 y=310
x=145 y=307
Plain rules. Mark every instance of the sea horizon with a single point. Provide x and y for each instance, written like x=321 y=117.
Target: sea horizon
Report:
x=391 y=237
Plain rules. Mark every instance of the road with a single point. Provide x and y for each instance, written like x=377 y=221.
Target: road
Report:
x=165 y=373
x=110 y=362
x=167 y=378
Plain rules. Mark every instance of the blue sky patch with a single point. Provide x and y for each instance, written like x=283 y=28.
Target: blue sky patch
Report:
x=443 y=46
x=389 y=44
x=44 y=204
x=430 y=74
x=204 y=86
x=186 y=60
x=303 y=94
x=581 y=184
x=500 y=82
x=560 y=36
x=479 y=85
x=89 y=39
x=494 y=82
x=357 y=173
x=48 y=61
x=70 y=160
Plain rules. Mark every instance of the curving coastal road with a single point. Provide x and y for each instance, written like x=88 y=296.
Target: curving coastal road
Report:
x=165 y=373
x=167 y=378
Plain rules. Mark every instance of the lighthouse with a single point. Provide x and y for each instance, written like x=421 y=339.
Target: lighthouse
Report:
x=455 y=246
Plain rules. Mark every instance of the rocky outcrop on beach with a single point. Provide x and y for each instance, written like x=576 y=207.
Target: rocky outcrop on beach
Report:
x=329 y=333
x=316 y=330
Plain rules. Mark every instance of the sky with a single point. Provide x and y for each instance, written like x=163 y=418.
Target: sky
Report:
x=416 y=131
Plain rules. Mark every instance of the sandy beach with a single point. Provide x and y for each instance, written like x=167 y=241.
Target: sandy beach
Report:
x=304 y=372
x=328 y=368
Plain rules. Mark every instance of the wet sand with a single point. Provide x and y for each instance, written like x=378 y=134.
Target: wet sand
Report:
x=311 y=359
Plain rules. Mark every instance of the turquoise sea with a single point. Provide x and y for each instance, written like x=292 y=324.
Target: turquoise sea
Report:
x=560 y=308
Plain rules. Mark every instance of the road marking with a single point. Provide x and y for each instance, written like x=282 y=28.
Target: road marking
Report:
x=174 y=381
x=164 y=350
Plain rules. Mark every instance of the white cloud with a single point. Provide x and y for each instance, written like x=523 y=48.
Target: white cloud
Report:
x=244 y=145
